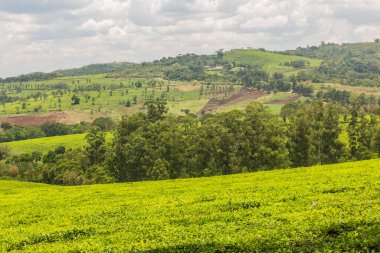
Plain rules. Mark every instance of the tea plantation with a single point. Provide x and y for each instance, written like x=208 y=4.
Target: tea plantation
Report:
x=333 y=208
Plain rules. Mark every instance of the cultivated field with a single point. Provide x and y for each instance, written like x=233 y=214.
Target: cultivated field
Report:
x=331 y=208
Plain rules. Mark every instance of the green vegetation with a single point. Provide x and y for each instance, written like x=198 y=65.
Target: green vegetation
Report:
x=156 y=146
x=355 y=64
x=92 y=94
x=92 y=69
x=46 y=144
x=117 y=88
x=165 y=131
x=272 y=62
x=322 y=208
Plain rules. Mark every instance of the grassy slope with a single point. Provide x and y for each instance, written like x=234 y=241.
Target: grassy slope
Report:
x=48 y=143
x=270 y=61
x=318 y=208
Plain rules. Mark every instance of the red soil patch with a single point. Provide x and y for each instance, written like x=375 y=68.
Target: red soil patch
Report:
x=67 y=117
x=244 y=94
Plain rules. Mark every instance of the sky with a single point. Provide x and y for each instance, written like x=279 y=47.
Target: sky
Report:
x=45 y=35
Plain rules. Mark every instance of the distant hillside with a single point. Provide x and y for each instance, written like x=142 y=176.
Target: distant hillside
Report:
x=330 y=208
x=272 y=62
x=354 y=64
x=94 y=69
x=85 y=70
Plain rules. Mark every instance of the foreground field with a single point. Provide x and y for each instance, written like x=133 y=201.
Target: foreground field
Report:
x=307 y=209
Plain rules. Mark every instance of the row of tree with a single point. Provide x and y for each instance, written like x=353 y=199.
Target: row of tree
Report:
x=11 y=132
x=156 y=146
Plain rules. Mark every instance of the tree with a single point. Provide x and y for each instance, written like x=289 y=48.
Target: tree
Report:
x=353 y=132
x=117 y=161
x=332 y=149
x=96 y=147
x=4 y=152
x=156 y=110
x=159 y=171
x=301 y=142
x=75 y=100
x=104 y=123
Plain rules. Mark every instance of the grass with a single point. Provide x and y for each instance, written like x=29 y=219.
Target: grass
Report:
x=355 y=89
x=193 y=105
x=104 y=101
x=47 y=144
x=331 y=208
x=272 y=62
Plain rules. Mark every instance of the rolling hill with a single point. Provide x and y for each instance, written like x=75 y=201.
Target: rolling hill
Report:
x=271 y=61
x=322 y=208
x=356 y=64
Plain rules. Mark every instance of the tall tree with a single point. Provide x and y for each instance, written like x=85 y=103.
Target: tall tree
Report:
x=96 y=145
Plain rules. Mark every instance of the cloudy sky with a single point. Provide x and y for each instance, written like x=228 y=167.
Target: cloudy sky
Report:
x=44 y=35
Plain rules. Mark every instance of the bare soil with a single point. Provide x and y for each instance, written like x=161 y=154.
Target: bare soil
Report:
x=244 y=94
x=67 y=117
x=284 y=100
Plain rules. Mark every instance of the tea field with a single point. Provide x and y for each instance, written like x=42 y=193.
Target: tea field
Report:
x=333 y=208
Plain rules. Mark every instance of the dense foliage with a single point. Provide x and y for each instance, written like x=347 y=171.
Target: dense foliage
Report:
x=10 y=132
x=353 y=64
x=157 y=146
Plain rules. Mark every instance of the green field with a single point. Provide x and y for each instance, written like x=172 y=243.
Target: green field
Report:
x=331 y=208
x=271 y=62
x=46 y=144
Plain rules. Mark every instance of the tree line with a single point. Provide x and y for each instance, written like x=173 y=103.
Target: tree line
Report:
x=156 y=146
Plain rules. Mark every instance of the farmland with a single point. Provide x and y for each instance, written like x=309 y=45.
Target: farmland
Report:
x=98 y=94
x=321 y=208
x=71 y=99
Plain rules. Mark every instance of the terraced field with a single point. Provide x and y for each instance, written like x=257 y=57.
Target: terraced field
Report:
x=331 y=208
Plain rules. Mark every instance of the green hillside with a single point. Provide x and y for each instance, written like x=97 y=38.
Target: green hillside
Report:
x=321 y=208
x=46 y=144
x=356 y=64
x=271 y=62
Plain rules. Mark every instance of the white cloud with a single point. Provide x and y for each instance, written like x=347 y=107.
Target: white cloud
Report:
x=92 y=25
x=46 y=35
